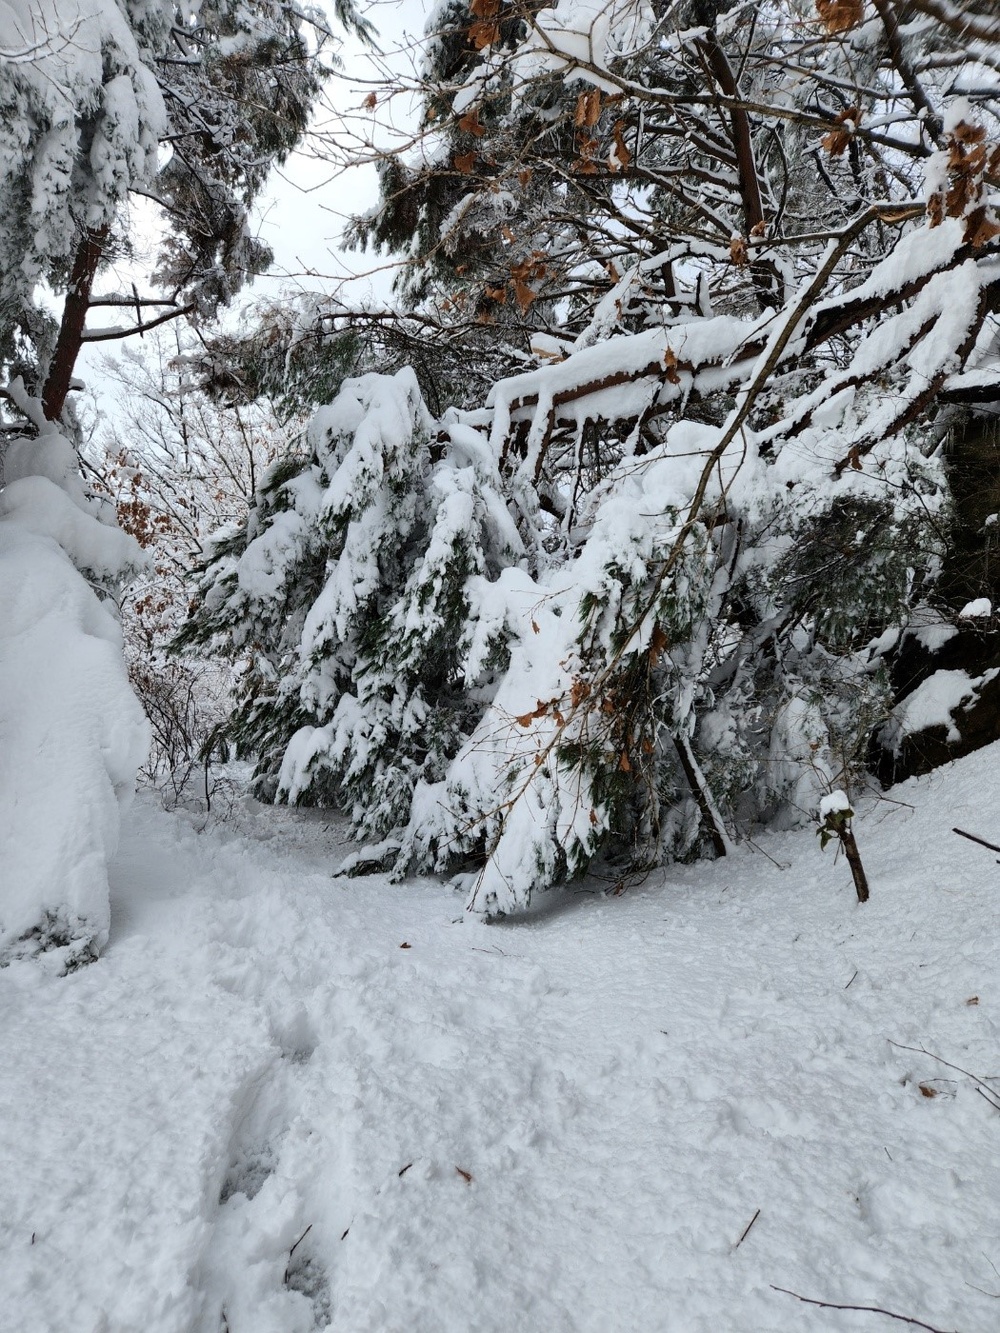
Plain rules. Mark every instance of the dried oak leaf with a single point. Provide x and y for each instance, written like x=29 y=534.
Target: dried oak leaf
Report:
x=578 y=691
x=624 y=763
x=526 y=719
x=585 y=163
x=840 y=15
x=470 y=123
x=466 y=1175
x=926 y=1090
x=981 y=227
x=588 y=109
x=738 y=252
x=840 y=136
x=670 y=364
x=484 y=9
x=657 y=643
x=523 y=294
x=619 y=157
x=464 y=162
x=484 y=34
x=370 y=102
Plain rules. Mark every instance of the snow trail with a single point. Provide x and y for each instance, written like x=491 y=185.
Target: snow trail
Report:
x=260 y=1112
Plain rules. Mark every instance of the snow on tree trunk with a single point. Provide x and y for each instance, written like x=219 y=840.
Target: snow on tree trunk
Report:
x=72 y=735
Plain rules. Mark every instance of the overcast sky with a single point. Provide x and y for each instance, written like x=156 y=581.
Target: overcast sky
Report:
x=310 y=204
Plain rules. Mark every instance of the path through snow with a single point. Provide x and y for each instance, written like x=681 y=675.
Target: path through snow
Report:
x=259 y=1112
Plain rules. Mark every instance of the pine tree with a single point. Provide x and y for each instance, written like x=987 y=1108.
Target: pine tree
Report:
x=744 y=318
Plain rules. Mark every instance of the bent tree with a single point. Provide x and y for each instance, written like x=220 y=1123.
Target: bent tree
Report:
x=730 y=268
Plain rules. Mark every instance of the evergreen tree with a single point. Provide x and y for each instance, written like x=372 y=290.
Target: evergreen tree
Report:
x=744 y=317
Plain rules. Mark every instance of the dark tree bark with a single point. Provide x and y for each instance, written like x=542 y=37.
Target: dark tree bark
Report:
x=74 y=319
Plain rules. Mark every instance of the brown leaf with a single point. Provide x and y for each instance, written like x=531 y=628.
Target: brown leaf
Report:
x=534 y=628
x=526 y=719
x=370 y=102
x=578 y=691
x=588 y=109
x=523 y=294
x=619 y=157
x=845 y=124
x=470 y=123
x=498 y=294
x=464 y=162
x=840 y=15
x=759 y=229
x=657 y=643
x=973 y=999
x=963 y=132
x=404 y=945
x=484 y=9
x=980 y=227
x=926 y=1090
x=593 y=816
x=854 y=457
x=624 y=763
x=738 y=252
x=585 y=163
x=670 y=364
x=484 y=34
x=466 y=1175
x=524 y=177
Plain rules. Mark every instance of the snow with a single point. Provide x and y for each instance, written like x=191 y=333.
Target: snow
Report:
x=834 y=803
x=72 y=735
x=980 y=607
x=933 y=704
x=259 y=1102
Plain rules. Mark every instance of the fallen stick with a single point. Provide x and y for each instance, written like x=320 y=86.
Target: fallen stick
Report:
x=972 y=838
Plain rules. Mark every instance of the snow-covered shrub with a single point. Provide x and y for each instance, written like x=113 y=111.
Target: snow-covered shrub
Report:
x=73 y=734
x=351 y=592
x=177 y=467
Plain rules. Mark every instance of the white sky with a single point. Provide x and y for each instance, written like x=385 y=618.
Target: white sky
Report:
x=309 y=203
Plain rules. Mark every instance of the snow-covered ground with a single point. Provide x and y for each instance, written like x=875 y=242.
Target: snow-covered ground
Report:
x=282 y=1101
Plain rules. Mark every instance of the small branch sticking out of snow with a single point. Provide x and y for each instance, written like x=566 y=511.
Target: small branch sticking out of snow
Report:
x=868 y=1309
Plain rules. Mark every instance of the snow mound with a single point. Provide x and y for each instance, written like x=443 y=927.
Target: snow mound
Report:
x=72 y=734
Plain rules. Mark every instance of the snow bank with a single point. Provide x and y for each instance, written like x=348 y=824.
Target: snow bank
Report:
x=72 y=734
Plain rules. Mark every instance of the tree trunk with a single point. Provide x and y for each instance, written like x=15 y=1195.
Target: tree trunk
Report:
x=74 y=319
x=696 y=781
x=854 y=861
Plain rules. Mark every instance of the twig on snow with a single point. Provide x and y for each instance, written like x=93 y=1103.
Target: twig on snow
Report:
x=288 y=1269
x=747 y=1230
x=983 y=1088
x=866 y=1309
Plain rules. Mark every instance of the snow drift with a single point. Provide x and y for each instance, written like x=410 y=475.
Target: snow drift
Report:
x=72 y=734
